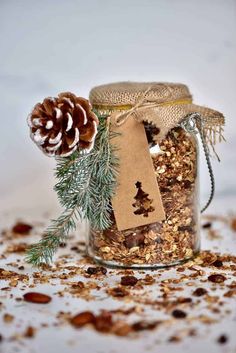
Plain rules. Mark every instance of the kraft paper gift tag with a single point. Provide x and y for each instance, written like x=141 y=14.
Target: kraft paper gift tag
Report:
x=137 y=200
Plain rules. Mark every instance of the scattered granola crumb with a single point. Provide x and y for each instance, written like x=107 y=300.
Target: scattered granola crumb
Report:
x=8 y=318
x=118 y=292
x=30 y=332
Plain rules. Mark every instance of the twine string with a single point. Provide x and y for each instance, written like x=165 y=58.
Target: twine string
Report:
x=122 y=117
x=147 y=104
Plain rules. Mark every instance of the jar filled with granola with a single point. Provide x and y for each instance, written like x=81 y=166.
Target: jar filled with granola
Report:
x=154 y=218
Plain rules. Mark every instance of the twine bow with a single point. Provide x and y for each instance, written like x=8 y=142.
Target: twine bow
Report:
x=147 y=105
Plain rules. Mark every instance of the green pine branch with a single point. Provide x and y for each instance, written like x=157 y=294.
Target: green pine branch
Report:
x=86 y=184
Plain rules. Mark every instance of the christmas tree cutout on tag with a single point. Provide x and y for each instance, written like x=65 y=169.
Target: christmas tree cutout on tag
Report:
x=137 y=184
x=142 y=204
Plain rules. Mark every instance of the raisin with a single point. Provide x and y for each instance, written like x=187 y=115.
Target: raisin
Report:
x=22 y=228
x=217 y=278
x=222 y=339
x=179 y=314
x=199 y=292
x=95 y=270
x=128 y=280
x=207 y=225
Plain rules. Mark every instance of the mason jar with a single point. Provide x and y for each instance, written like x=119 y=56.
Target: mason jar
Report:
x=175 y=156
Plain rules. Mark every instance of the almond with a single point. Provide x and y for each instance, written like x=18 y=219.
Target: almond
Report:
x=37 y=298
x=81 y=319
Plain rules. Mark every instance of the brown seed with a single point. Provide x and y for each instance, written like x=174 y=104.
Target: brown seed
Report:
x=82 y=319
x=37 y=298
x=199 y=292
x=217 y=278
x=22 y=228
x=222 y=339
x=179 y=314
x=128 y=280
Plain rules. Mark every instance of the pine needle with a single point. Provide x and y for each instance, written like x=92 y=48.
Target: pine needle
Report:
x=86 y=184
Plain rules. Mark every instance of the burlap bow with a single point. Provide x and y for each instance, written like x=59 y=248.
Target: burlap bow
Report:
x=162 y=104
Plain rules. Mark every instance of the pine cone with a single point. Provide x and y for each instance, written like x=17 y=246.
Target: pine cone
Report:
x=61 y=125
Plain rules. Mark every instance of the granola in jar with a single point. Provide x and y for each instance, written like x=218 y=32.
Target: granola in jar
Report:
x=173 y=240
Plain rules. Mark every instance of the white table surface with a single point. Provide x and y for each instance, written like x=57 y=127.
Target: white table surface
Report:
x=61 y=337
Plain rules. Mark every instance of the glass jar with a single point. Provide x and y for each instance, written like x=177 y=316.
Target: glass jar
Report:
x=174 y=240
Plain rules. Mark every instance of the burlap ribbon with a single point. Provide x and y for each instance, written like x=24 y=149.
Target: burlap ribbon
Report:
x=162 y=104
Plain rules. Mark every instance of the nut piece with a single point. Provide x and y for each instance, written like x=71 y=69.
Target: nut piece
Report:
x=82 y=319
x=37 y=298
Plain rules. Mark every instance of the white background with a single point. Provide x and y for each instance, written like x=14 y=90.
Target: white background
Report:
x=50 y=46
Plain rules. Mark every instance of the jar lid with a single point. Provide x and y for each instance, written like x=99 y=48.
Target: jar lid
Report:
x=160 y=103
x=127 y=93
